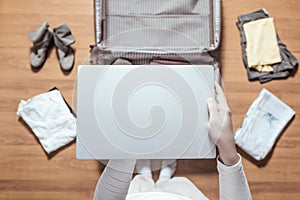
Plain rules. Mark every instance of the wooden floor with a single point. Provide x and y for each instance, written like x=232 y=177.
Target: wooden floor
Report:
x=26 y=172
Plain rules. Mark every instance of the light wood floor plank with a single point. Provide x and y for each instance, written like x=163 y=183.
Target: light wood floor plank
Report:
x=26 y=172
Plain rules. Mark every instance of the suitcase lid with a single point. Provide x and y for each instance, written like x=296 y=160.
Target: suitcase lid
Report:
x=180 y=26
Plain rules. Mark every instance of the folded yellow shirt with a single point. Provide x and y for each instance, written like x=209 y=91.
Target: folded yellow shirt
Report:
x=262 y=46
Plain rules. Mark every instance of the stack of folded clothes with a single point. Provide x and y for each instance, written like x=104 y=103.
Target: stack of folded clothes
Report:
x=265 y=56
x=50 y=118
x=264 y=122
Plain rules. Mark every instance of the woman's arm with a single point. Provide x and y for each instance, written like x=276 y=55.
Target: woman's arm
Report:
x=114 y=182
x=232 y=180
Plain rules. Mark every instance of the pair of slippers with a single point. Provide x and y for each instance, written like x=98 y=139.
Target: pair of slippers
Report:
x=43 y=40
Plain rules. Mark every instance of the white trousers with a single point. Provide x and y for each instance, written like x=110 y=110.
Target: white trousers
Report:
x=176 y=185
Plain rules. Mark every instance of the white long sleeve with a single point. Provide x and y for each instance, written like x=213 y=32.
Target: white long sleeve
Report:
x=115 y=180
x=233 y=182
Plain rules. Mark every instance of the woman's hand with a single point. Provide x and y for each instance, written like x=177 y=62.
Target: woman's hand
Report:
x=220 y=127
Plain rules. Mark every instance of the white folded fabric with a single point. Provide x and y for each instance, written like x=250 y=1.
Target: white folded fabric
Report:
x=264 y=121
x=50 y=119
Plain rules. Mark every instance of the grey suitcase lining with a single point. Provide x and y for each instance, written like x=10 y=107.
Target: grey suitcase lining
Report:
x=162 y=29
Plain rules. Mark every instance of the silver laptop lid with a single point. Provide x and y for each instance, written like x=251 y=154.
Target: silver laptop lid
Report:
x=144 y=112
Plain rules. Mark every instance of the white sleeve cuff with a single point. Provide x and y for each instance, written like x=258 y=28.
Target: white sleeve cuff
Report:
x=229 y=169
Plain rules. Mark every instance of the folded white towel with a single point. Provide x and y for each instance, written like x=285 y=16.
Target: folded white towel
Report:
x=264 y=121
x=50 y=119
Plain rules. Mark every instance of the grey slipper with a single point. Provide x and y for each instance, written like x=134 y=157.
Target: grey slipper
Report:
x=63 y=38
x=42 y=40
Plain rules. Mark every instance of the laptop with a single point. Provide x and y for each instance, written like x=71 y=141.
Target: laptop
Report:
x=144 y=112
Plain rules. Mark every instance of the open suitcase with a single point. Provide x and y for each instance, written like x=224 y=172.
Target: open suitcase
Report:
x=141 y=31
x=182 y=30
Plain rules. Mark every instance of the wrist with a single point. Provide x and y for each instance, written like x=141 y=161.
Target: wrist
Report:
x=229 y=159
x=228 y=153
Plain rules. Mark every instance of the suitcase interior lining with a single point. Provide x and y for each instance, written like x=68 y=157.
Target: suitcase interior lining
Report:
x=156 y=24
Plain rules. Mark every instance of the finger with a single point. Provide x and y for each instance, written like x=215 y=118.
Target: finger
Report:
x=210 y=112
x=209 y=106
x=212 y=109
x=220 y=96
